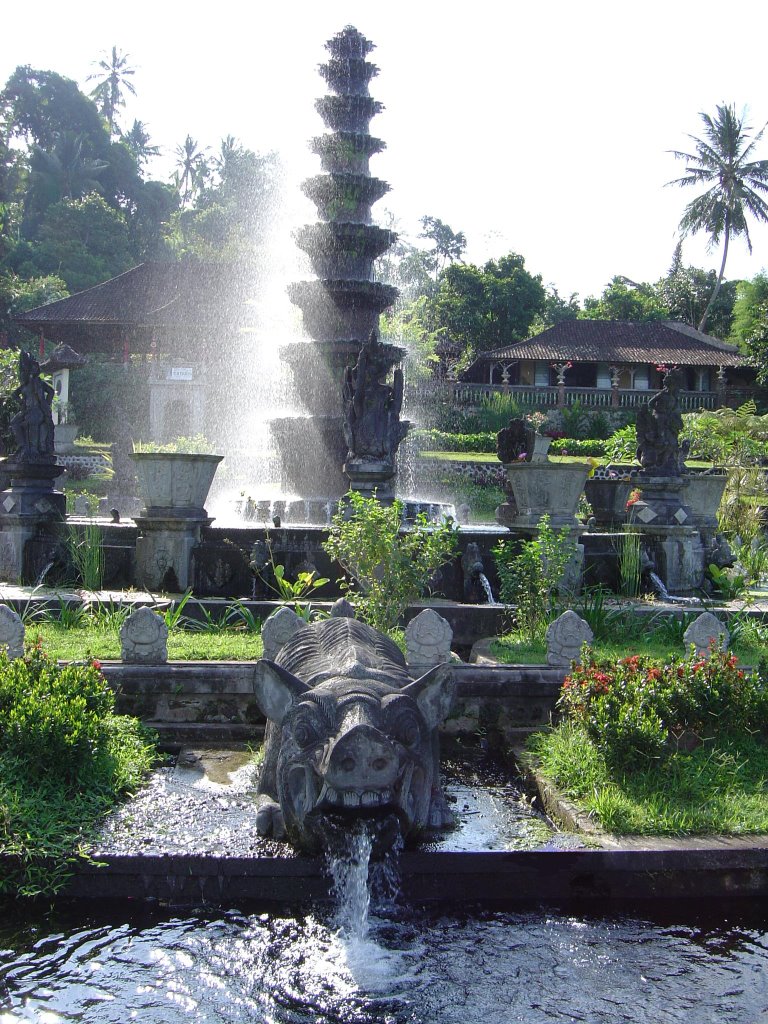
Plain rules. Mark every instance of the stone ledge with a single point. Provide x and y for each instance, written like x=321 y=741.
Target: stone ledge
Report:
x=694 y=872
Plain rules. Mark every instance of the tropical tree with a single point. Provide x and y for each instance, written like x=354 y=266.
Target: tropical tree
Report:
x=685 y=293
x=229 y=149
x=476 y=309
x=623 y=299
x=112 y=82
x=138 y=142
x=723 y=162
x=556 y=309
x=66 y=171
x=192 y=168
x=750 y=321
x=447 y=246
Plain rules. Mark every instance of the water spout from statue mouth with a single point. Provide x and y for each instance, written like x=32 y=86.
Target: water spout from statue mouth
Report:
x=384 y=825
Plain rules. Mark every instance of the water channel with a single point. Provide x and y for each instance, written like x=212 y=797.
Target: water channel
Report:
x=378 y=963
x=412 y=967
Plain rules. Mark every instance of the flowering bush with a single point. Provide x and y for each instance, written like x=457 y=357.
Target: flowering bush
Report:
x=639 y=709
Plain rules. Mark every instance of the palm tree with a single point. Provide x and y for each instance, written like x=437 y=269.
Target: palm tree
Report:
x=65 y=172
x=722 y=161
x=229 y=147
x=112 y=78
x=137 y=140
x=192 y=168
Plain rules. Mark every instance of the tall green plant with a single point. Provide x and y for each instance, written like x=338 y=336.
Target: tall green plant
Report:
x=534 y=579
x=388 y=565
x=630 y=563
x=86 y=552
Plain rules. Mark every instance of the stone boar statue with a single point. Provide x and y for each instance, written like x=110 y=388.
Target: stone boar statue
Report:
x=348 y=733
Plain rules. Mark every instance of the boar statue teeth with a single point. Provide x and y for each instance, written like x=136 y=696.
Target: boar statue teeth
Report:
x=348 y=733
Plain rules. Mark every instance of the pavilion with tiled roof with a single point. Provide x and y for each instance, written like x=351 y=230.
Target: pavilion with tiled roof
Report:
x=610 y=353
x=161 y=303
x=182 y=318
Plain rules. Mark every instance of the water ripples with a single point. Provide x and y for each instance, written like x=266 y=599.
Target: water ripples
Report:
x=418 y=968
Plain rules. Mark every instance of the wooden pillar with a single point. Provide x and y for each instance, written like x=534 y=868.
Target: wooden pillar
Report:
x=41 y=346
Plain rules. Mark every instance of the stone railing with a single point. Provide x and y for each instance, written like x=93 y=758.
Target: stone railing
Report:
x=459 y=393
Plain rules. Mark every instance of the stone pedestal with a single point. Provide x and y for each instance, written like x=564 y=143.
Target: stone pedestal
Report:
x=678 y=555
x=30 y=509
x=661 y=502
x=369 y=478
x=164 y=551
x=608 y=498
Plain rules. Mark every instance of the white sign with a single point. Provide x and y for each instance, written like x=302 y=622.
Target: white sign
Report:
x=180 y=373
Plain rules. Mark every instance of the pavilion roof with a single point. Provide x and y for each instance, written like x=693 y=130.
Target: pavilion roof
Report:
x=619 y=341
x=149 y=299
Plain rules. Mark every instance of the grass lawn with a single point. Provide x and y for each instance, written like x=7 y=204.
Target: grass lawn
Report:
x=717 y=788
x=511 y=651
x=71 y=643
x=492 y=457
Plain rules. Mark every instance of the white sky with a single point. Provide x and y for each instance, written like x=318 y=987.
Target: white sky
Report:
x=540 y=128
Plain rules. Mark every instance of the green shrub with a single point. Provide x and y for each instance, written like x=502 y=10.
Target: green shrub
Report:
x=621 y=446
x=489 y=416
x=636 y=710
x=440 y=441
x=533 y=577
x=577 y=446
x=575 y=420
x=103 y=394
x=388 y=565
x=65 y=758
x=195 y=445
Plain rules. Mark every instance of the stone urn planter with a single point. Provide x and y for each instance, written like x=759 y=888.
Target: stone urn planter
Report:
x=174 y=485
x=541 y=488
x=702 y=493
x=608 y=497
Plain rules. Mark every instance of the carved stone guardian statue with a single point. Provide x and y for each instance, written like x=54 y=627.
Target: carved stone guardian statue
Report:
x=372 y=425
x=32 y=426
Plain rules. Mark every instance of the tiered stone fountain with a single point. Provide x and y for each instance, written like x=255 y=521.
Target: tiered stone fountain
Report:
x=341 y=308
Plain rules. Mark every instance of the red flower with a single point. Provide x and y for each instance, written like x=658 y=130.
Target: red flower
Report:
x=96 y=663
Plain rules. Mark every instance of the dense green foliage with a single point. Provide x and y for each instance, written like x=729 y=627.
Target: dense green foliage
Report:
x=637 y=710
x=533 y=576
x=750 y=322
x=388 y=565
x=578 y=446
x=441 y=441
x=65 y=758
x=669 y=746
x=104 y=391
x=76 y=204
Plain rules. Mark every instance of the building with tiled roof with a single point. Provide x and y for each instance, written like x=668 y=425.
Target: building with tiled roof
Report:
x=607 y=355
x=164 y=303
x=182 y=318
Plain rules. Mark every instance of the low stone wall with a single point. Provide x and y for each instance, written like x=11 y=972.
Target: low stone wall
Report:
x=436 y=476
x=213 y=701
x=86 y=464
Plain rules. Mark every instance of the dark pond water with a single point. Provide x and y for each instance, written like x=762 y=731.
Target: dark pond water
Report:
x=409 y=968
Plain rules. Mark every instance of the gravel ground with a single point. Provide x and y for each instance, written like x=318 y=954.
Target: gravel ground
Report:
x=205 y=804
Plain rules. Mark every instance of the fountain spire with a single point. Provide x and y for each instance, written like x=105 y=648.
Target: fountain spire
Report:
x=341 y=307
